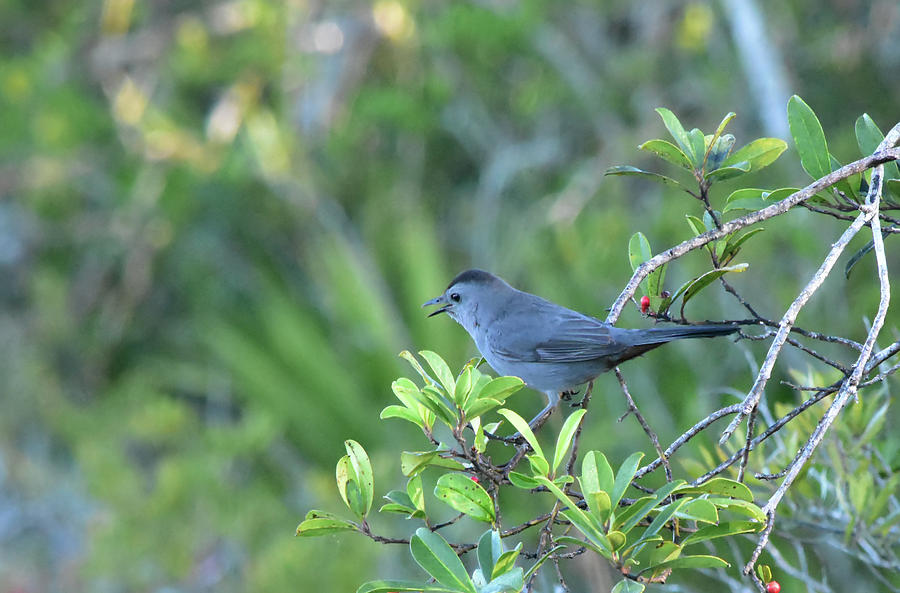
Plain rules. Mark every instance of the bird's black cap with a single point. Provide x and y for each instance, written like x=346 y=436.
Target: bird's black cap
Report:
x=475 y=276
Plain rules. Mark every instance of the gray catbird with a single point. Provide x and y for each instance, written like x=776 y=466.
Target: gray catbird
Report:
x=551 y=348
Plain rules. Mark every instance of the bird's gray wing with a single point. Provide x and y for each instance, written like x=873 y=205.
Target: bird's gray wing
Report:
x=544 y=332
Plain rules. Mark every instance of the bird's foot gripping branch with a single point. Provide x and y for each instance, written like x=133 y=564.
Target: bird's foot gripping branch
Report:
x=645 y=533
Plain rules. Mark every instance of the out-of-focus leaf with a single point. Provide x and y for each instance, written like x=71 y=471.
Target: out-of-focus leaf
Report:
x=809 y=138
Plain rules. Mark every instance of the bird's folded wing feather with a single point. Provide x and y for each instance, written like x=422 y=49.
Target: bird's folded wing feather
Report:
x=562 y=336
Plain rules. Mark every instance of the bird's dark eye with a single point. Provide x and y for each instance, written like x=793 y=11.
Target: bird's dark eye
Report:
x=454 y=297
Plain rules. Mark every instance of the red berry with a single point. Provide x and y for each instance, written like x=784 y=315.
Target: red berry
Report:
x=773 y=587
x=475 y=479
x=645 y=304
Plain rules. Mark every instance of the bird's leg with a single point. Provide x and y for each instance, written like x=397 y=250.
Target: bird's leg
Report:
x=543 y=415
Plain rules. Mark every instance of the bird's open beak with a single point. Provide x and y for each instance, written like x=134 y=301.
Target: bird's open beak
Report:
x=437 y=301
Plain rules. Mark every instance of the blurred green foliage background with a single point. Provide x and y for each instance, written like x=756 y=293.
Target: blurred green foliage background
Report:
x=219 y=219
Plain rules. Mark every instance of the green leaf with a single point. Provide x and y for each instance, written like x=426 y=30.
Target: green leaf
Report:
x=627 y=586
x=699 y=510
x=720 y=487
x=755 y=199
x=727 y=172
x=596 y=473
x=349 y=488
x=635 y=513
x=564 y=440
x=512 y=581
x=706 y=279
x=739 y=506
x=764 y=572
x=481 y=406
x=662 y=518
x=413 y=462
x=628 y=520
x=434 y=400
x=733 y=246
x=760 y=153
x=520 y=480
x=415 y=492
x=539 y=465
x=363 y=468
x=667 y=151
x=624 y=477
x=809 y=138
x=466 y=496
x=634 y=171
x=725 y=529
x=677 y=131
x=441 y=370
x=501 y=388
x=857 y=257
x=638 y=250
x=408 y=357
x=698 y=147
x=506 y=562
x=490 y=547
x=521 y=425
x=718 y=152
x=463 y=387
x=314 y=526
x=695 y=223
x=698 y=561
x=395 y=411
x=386 y=586
x=590 y=529
x=868 y=137
x=437 y=558
x=541 y=560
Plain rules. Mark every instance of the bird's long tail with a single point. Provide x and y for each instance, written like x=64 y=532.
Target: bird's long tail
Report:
x=661 y=335
x=643 y=340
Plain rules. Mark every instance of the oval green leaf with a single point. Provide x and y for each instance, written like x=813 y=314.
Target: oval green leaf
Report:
x=809 y=138
x=437 y=558
x=466 y=496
